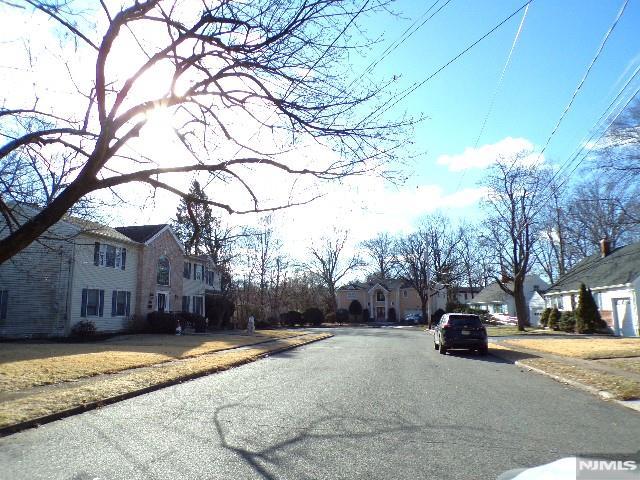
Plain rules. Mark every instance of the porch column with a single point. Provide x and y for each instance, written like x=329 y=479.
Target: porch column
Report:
x=386 y=306
x=372 y=313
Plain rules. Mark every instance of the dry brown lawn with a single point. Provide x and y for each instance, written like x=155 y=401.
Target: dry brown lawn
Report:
x=588 y=348
x=629 y=364
x=622 y=388
x=67 y=396
x=24 y=365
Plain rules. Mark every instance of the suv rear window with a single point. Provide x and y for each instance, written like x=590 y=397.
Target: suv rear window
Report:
x=464 y=321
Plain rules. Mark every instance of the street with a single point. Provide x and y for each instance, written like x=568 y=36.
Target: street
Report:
x=367 y=403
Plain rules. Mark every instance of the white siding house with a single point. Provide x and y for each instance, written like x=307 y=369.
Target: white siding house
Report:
x=496 y=301
x=68 y=275
x=614 y=279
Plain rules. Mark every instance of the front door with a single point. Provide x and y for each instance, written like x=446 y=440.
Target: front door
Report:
x=380 y=316
x=163 y=302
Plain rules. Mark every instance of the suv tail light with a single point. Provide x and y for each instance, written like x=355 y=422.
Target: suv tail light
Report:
x=446 y=325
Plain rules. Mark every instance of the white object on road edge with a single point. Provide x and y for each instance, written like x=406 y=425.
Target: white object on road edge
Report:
x=563 y=469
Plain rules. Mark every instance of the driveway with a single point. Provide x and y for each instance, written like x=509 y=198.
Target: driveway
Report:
x=367 y=403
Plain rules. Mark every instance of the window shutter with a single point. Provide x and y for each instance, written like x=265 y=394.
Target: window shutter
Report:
x=128 y=303
x=83 y=308
x=124 y=258
x=96 y=253
x=114 y=302
x=4 y=299
x=194 y=271
x=193 y=306
x=101 y=312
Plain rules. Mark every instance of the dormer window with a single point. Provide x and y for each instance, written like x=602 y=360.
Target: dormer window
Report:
x=163 y=271
x=380 y=296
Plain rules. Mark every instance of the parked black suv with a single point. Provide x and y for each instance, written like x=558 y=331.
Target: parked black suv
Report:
x=460 y=330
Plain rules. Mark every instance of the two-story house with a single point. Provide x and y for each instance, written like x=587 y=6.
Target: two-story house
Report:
x=77 y=270
x=82 y=270
x=386 y=299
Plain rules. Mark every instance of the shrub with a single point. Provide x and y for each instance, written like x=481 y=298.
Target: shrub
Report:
x=554 y=318
x=313 y=316
x=355 y=308
x=198 y=322
x=392 y=315
x=330 y=317
x=294 y=318
x=84 y=329
x=342 y=315
x=162 y=322
x=365 y=315
x=567 y=322
x=588 y=317
x=265 y=324
x=544 y=317
x=138 y=324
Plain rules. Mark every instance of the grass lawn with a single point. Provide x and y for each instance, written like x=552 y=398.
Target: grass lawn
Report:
x=629 y=364
x=588 y=348
x=24 y=365
x=622 y=388
x=70 y=395
x=508 y=330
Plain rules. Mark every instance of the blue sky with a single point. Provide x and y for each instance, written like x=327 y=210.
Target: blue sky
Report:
x=557 y=42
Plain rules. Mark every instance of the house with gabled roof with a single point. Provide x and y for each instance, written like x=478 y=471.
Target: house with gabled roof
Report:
x=613 y=275
x=387 y=299
x=498 y=302
x=82 y=270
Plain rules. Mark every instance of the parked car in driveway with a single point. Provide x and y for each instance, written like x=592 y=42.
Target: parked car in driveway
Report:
x=460 y=330
x=413 y=318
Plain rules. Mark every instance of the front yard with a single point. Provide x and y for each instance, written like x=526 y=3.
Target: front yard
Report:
x=588 y=348
x=40 y=380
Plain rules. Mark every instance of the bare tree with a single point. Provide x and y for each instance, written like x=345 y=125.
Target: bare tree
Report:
x=226 y=68
x=443 y=252
x=382 y=253
x=474 y=267
x=621 y=151
x=328 y=264
x=602 y=207
x=513 y=205
x=414 y=267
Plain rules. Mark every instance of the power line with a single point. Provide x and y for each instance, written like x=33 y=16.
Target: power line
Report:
x=497 y=89
x=584 y=77
x=416 y=85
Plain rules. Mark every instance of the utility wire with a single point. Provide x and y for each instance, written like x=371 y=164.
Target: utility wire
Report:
x=584 y=78
x=416 y=85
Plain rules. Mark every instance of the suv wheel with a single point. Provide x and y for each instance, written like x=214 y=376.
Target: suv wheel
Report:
x=483 y=351
x=443 y=349
x=435 y=345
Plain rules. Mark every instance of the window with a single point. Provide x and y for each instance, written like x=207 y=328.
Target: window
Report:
x=120 y=303
x=199 y=269
x=380 y=296
x=185 y=303
x=92 y=302
x=109 y=256
x=198 y=305
x=405 y=293
x=187 y=270
x=163 y=271
x=4 y=300
x=352 y=295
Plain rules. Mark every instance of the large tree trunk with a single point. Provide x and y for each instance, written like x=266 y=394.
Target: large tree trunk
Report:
x=423 y=306
x=522 y=309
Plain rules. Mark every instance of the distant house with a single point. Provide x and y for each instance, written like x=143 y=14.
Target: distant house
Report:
x=613 y=275
x=383 y=296
x=497 y=301
x=82 y=270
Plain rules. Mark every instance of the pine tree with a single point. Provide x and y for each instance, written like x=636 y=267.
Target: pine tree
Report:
x=554 y=318
x=194 y=220
x=587 y=315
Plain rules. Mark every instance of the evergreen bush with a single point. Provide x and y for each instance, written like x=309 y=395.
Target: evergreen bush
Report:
x=544 y=317
x=554 y=318
x=392 y=315
x=313 y=316
x=342 y=315
x=567 y=322
x=588 y=317
x=365 y=315
x=84 y=329
x=162 y=322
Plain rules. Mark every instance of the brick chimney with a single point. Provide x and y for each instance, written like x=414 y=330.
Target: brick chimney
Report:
x=605 y=247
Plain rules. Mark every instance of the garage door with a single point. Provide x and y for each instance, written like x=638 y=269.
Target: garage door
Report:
x=626 y=328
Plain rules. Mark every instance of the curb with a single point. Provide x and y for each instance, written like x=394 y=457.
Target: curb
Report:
x=631 y=404
x=36 y=422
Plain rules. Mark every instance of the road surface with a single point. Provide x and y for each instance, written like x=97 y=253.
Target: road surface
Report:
x=368 y=403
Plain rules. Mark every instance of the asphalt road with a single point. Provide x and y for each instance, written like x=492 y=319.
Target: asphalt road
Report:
x=368 y=403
